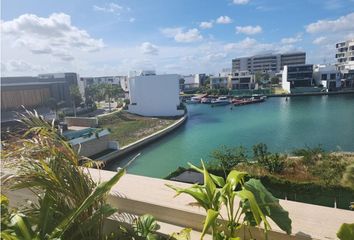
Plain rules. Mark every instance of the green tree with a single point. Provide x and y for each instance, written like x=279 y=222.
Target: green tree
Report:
x=111 y=91
x=227 y=158
x=54 y=105
x=76 y=97
x=69 y=203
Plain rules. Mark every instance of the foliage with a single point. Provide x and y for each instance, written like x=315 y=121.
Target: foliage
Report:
x=216 y=192
x=227 y=157
x=275 y=80
x=70 y=205
x=329 y=169
x=273 y=162
x=75 y=94
x=348 y=177
x=346 y=232
x=310 y=155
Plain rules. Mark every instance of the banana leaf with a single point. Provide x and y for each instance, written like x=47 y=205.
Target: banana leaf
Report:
x=269 y=204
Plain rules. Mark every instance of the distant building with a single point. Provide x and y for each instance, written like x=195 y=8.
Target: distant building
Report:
x=200 y=78
x=35 y=91
x=328 y=76
x=154 y=95
x=87 y=81
x=345 y=62
x=242 y=80
x=345 y=55
x=217 y=82
x=299 y=79
x=271 y=63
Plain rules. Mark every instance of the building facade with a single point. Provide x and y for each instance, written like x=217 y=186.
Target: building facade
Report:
x=241 y=80
x=328 y=76
x=345 y=55
x=35 y=91
x=155 y=95
x=218 y=82
x=271 y=63
x=299 y=79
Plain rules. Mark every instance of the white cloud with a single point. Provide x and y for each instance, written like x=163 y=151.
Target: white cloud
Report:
x=190 y=35
x=132 y=19
x=224 y=20
x=149 y=49
x=205 y=25
x=250 y=46
x=292 y=40
x=319 y=40
x=109 y=8
x=249 y=30
x=54 y=35
x=344 y=23
x=240 y=2
x=20 y=66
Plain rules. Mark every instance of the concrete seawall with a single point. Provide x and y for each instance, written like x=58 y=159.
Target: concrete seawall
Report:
x=310 y=94
x=141 y=142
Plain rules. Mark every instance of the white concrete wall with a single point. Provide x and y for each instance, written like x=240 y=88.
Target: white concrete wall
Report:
x=156 y=95
x=285 y=84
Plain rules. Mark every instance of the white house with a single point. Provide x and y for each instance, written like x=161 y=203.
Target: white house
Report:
x=154 y=95
x=328 y=76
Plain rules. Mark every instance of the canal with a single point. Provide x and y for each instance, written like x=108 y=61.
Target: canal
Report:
x=282 y=124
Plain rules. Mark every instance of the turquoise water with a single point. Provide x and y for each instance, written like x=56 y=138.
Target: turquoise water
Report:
x=282 y=125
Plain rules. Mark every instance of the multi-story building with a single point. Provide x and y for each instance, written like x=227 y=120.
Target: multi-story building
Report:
x=35 y=91
x=241 y=80
x=154 y=95
x=217 y=82
x=271 y=63
x=345 y=62
x=328 y=76
x=299 y=78
x=200 y=78
x=87 y=81
x=345 y=55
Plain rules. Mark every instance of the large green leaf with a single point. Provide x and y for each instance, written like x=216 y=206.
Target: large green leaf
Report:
x=248 y=198
x=234 y=178
x=209 y=221
x=184 y=234
x=22 y=227
x=208 y=184
x=196 y=192
x=145 y=225
x=217 y=180
x=97 y=194
x=346 y=231
x=269 y=204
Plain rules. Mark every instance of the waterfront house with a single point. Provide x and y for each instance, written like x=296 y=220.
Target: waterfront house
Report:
x=154 y=95
x=299 y=79
x=217 y=82
x=327 y=76
x=345 y=62
x=35 y=91
x=241 y=80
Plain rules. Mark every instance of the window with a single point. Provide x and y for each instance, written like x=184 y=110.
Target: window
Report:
x=324 y=77
x=332 y=76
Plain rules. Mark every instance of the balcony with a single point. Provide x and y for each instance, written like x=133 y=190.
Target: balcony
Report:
x=139 y=195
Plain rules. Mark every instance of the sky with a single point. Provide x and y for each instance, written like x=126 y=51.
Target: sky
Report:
x=102 y=38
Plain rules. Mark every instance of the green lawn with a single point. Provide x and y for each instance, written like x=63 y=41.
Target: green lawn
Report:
x=127 y=128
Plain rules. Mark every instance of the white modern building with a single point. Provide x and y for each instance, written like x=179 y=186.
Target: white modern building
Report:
x=242 y=80
x=299 y=79
x=270 y=63
x=217 y=82
x=154 y=95
x=328 y=76
x=345 y=55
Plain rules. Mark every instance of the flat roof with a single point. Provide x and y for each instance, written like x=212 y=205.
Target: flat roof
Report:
x=28 y=84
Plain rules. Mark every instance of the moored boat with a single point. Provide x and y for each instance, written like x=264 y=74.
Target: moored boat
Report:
x=221 y=101
x=193 y=100
x=206 y=100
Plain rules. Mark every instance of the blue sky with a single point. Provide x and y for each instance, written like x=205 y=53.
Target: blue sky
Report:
x=171 y=36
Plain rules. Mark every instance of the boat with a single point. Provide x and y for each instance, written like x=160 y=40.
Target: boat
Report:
x=221 y=101
x=193 y=100
x=206 y=100
x=245 y=101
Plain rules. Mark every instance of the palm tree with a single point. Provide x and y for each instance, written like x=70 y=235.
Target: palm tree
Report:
x=70 y=205
x=54 y=105
x=111 y=91
x=76 y=97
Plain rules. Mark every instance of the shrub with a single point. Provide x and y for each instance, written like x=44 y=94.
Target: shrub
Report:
x=227 y=158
